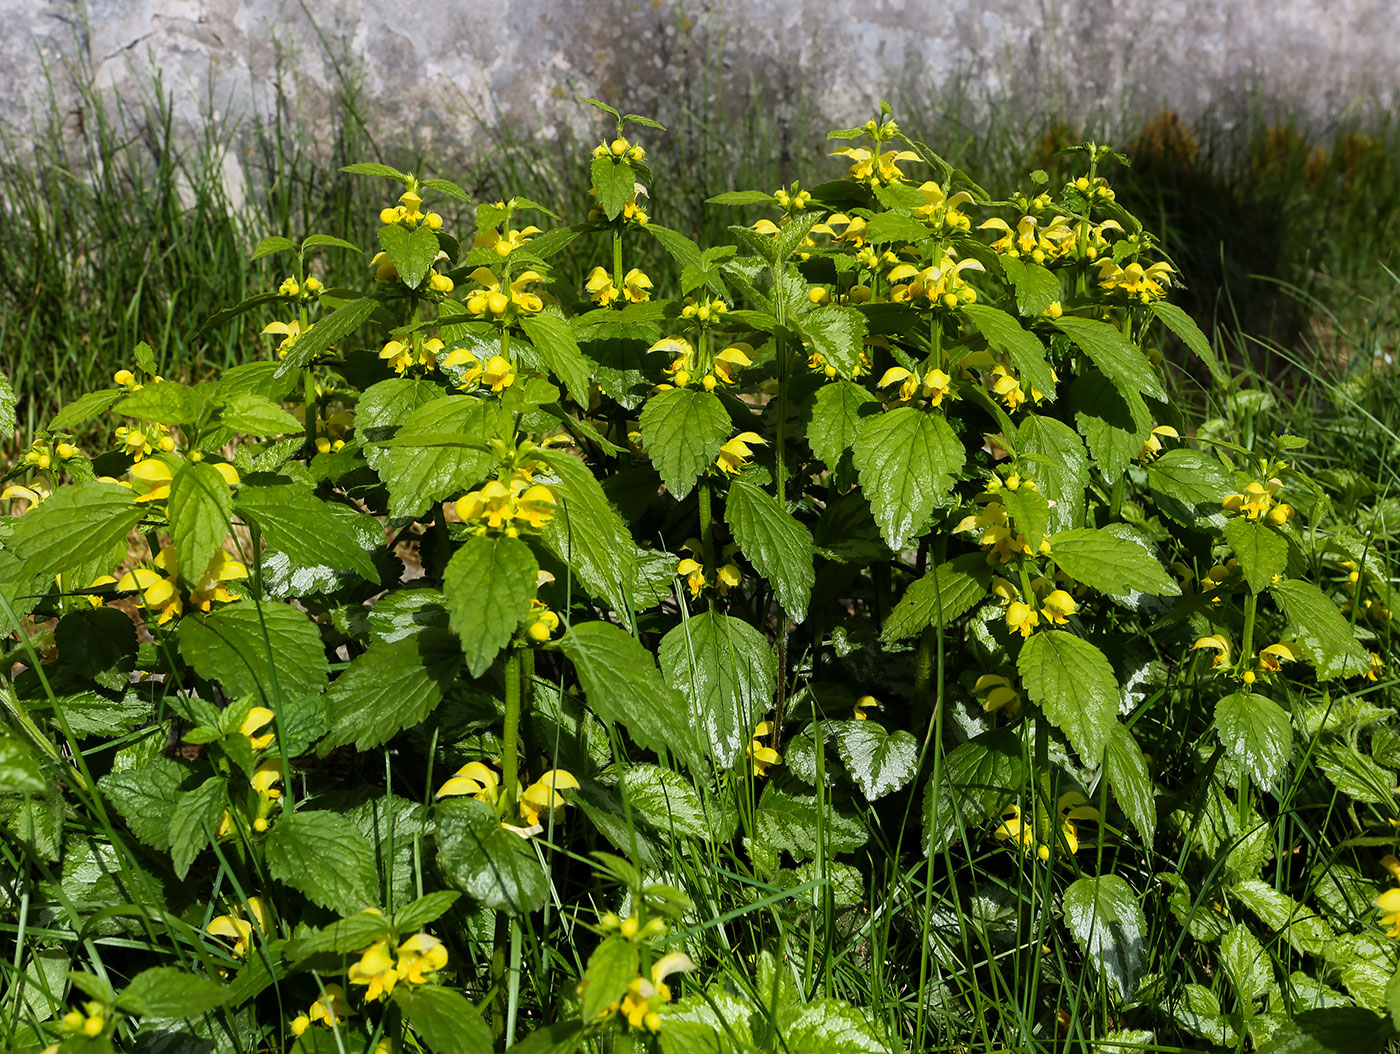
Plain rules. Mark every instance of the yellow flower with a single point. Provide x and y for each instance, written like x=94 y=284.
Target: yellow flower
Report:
x=636 y=286
x=1257 y=499
x=867 y=167
x=498 y=374
x=682 y=353
x=419 y=956
x=1141 y=283
x=1389 y=903
x=907 y=380
x=1021 y=618
x=258 y=718
x=159 y=592
x=239 y=929
x=1055 y=239
x=473 y=369
x=642 y=993
x=375 y=970
x=1218 y=643
x=540 y=623
x=265 y=779
x=398 y=354
x=1274 y=656
x=534 y=505
x=33 y=494
x=693 y=573
x=331 y=1009
x=599 y=286
x=1058 y=606
x=762 y=757
x=727 y=577
x=473 y=780
x=290 y=332
x=507 y=243
x=1153 y=446
x=735 y=454
x=210 y=587
x=1000 y=695
x=542 y=797
x=1373 y=672
x=728 y=362
x=938 y=208
x=863 y=705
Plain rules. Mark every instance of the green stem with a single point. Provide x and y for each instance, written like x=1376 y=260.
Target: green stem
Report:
x=780 y=471
x=1251 y=605
x=617 y=259
x=510 y=733
x=707 y=527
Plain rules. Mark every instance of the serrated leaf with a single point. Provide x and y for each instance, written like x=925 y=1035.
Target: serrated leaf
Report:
x=1246 y=963
x=611 y=968
x=7 y=407
x=1257 y=734
x=167 y=991
x=82 y=524
x=1029 y=511
x=886 y=228
x=488 y=585
x=146 y=797
x=384 y=407
x=411 y=252
x=880 y=762
x=1107 y=921
x=908 y=461
x=371 y=168
x=318 y=241
x=233 y=646
x=834 y=416
x=979 y=778
x=340 y=937
x=829 y=1026
x=1073 y=682
x=776 y=543
x=99 y=643
x=836 y=333
x=1036 y=287
x=446 y=186
x=422 y=468
x=1117 y=357
x=683 y=430
x=940 y=596
x=1332 y=1030
x=1324 y=636
x=427 y=908
x=588 y=534
x=1262 y=551
x=1304 y=929
x=324 y=856
x=622 y=685
x=341 y=322
x=553 y=339
x=1180 y=323
x=495 y=867
x=1125 y=768
x=200 y=513
x=393 y=685
x=1189 y=485
x=447 y=1020
x=1006 y=335
x=19 y=769
x=194 y=820
x=269 y=246
x=84 y=409
x=256 y=415
x=1053 y=455
x=741 y=197
x=165 y=402
x=667 y=802
x=614 y=181
x=725 y=670
x=1110 y=564
x=1114 y=423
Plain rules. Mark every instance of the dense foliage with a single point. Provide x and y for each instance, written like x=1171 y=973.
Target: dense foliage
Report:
x=840 y=643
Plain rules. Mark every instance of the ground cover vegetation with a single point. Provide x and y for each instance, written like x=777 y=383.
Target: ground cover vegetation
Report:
x=837 y=633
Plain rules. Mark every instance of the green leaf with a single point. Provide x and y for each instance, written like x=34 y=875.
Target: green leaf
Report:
x=371 y=168
x=324 y=857
x=683 y=430
x=393 y=685
x=1053 y=455
x=200 y=512
x=422 y=468
x=1117 y=357
x=85 y=408
x=269 y=246
x=446 y=186
x=1248 y=966
x=908 y=461
x=1114 y=423
x=340 y=937
x=1332 y=1030
x=317 y=241
x=1073 y=682
x=7 y=408
x=80 y=525
x=1006 y=335
x=587 y=533
x=940 y=596
x=488 y=586
x=834 y=415
x=724 y=668
x=614 y=181
x=741 y=197
x=165 y=402
x=233 y=646
x=1107 y=921
x=888 y=227
x=1189 y=486
x=553 y=339
x=1354 y=774
x=1029 y=511
x=146 y=798
x=979 y=778
x=19 y=770
x=193 y=822
x=800 y=825
x=777 y=543
x=1324 y=636
x=837 y=333
x=495 y=867
x=1302 y=927
x=1036 y=287
x=426 y=909
x=562 y=1037
x=622 y=685
x=1262 y=551
x=256 y=415
x=341 y=322
x=829 y=1026
x=1180 y=323
x=1125 y=768
x=167 y=991
x=668 y=802
x=1110 y=564
x=611 y=968
x=447 y=1020
x=879 y=761
x=411 y=252
x=99 y=643
x=384 y=407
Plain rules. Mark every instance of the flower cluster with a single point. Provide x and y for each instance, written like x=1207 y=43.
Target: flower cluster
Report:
x=508 y=507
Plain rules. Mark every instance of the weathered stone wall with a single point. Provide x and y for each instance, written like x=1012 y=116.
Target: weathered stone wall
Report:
x=431 y=79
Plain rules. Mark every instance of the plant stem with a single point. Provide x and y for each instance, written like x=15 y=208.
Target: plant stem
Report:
x=1251 y=605
x=617 y=259
x=510 y=733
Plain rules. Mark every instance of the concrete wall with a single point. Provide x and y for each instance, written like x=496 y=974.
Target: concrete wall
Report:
x=430 y=80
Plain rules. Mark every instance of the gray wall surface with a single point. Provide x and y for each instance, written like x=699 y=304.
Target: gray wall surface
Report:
x=431 y=79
